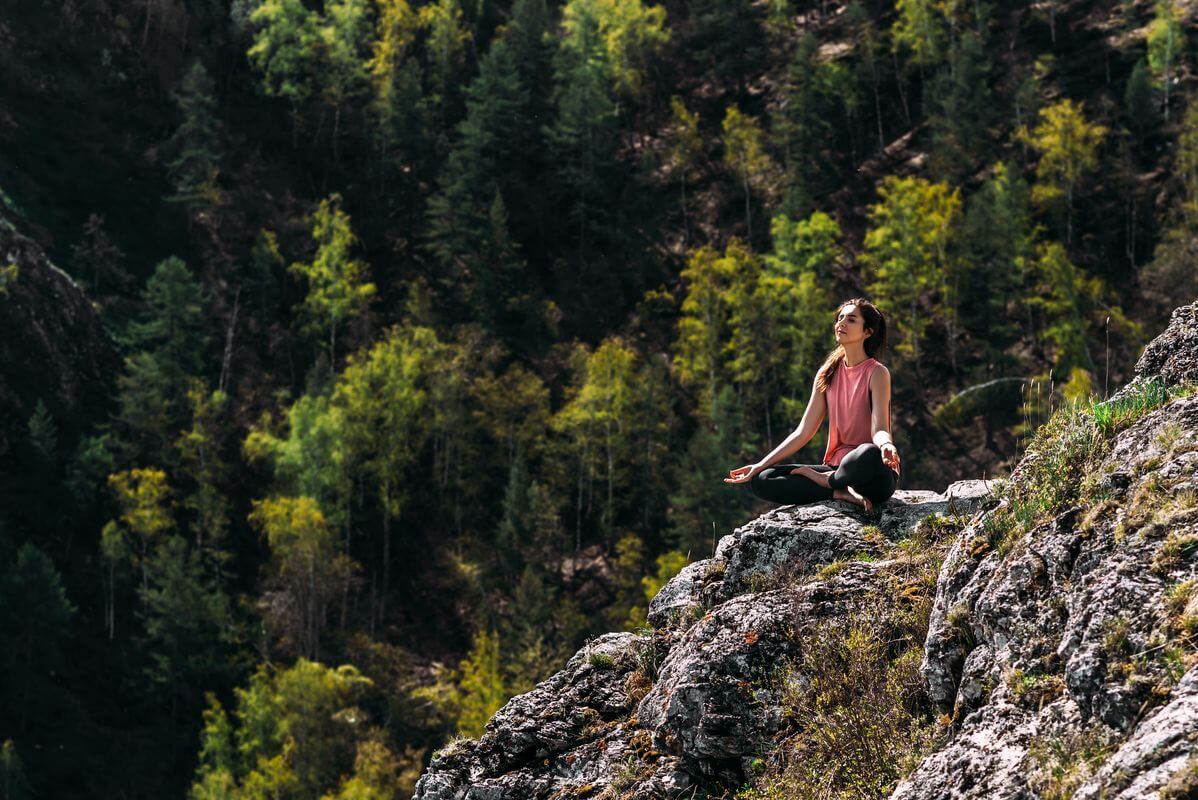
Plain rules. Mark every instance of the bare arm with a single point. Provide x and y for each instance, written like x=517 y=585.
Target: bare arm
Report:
x=879 y=387
x=813 y=417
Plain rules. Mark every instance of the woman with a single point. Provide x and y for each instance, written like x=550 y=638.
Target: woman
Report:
x=861 y=463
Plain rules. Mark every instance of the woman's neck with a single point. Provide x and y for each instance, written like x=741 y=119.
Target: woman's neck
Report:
x=854 y=355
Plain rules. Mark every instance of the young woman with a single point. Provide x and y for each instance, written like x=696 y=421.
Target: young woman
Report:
x=861 y=463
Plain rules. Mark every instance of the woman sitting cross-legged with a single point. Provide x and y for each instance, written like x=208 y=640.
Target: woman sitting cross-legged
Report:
x=852 y=388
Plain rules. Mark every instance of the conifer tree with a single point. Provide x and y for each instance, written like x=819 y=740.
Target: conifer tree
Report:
x=98 y=256
x=395 y=80
x=961 y=107
x=803 y=124
x=186 y=619
x=1000 y=240
x=582 y=140
x=195 y=168
x=461 y=227
x=1138 y=101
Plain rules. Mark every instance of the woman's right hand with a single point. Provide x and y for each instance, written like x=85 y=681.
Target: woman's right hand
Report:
x=743 y=474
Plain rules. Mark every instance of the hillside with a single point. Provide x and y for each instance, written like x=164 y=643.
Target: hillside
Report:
x=1060 y=645
x=362 y=360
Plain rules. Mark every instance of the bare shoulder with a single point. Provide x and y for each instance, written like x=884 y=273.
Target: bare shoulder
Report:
x=880 y=373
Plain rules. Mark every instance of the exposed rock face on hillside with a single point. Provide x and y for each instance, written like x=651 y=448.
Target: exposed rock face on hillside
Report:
x=653 y=715
x=1067 y=656
x=52 y=348
x=1061 y=648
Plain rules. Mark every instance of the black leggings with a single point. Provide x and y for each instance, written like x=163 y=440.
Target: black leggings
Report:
x=863 y=469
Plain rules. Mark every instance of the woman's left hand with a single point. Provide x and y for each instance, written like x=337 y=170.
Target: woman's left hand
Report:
x=890 y=456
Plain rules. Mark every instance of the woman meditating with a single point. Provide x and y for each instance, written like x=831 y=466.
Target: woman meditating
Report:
x=861 y=463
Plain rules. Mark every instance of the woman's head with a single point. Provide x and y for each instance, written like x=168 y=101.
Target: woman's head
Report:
x=859 y=320
x=856 y=320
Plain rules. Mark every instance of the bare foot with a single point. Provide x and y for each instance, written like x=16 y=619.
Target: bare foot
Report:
x=853 y=496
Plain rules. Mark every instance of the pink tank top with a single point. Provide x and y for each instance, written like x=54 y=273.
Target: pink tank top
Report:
x=849 y=422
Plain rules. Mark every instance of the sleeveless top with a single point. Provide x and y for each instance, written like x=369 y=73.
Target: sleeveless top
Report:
x=849 y=404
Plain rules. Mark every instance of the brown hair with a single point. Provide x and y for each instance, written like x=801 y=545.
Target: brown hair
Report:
x=875 y=344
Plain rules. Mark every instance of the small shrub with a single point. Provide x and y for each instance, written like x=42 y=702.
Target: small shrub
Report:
x=1035 y=689
x=600 y=660
x=1176 y=549
x=1061 y=763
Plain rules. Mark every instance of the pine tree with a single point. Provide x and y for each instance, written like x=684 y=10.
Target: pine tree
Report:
x=194 y=171
x=803 y=125
x=186 y=619
x=460 y=224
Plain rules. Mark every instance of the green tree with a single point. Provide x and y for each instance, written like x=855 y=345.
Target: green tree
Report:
x=1068 y=147
x=462 y=230
x=803 y=124
x=203 y=466
x=1138 y=101
x=385 y=403
x=34 y=618
x=703 y=324
x=293 y=732
x=744 y=154
x=338 y=289
x=187 y=625
x=1166 y=42
x=310 y=457
x=446 y=46
x=197 y=140
x=285 y=48
x=796 y=272
x=624 y=33
x=582 y=138
x=702 y=507
x=920 y=30
x=598 y=422
x=907 y=251
x=685 y=148
x=961 y=108
x=343 y=35
x=395 y=81
x=481 y=687
x=145 y=504
x=999 y=239
x=305 y=567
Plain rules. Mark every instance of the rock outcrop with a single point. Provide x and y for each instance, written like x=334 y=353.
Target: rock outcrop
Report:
x=52 y=349
x=664 y=712
x=1062 y=648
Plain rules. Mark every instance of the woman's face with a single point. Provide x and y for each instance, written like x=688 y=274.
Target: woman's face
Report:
x=850 y=325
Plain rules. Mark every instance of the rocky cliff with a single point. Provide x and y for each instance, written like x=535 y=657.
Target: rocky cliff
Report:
x=52 y=346
x=1035 y=637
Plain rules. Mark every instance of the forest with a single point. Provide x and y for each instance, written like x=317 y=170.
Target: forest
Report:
x=434 y=327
